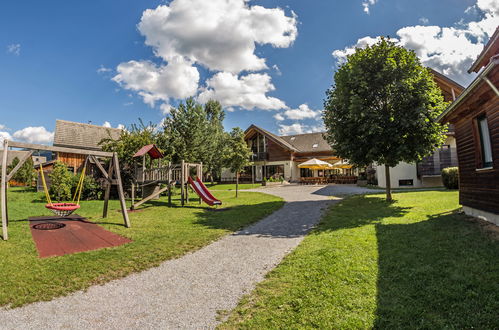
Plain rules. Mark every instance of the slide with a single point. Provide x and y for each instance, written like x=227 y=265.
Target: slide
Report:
x=203 y=192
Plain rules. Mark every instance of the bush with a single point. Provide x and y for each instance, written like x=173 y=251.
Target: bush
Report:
x=91 y=188
x=450 y=177
x=62 y=182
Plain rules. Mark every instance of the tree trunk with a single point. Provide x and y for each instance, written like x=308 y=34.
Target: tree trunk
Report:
x=237 y=183
x=388 y=184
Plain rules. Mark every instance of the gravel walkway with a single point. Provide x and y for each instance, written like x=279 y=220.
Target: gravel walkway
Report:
x=188 y=292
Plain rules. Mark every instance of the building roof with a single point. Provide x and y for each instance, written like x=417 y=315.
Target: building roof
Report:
x=82 y=136
x=479 y=80
x=490 y=49
x=310 y=142
x=13 y=154
x=450 y=89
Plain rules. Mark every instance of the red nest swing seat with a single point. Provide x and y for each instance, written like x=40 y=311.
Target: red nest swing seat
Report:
x=62 y=209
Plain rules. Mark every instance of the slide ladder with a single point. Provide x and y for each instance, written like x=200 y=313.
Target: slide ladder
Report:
x=203 y=192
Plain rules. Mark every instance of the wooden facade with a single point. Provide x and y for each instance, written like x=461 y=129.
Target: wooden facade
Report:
x=479 y=103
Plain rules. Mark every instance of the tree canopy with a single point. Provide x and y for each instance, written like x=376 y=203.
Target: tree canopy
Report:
x=383 y=107
x=239 y=153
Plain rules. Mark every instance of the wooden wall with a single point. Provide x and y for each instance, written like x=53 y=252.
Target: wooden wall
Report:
x=478 y=189
x=276 y=152
x=72 y=160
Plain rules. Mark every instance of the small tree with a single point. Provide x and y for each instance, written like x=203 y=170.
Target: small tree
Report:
x=238 y=155
x=26 y=174
x=383 y=108
x=61 y=182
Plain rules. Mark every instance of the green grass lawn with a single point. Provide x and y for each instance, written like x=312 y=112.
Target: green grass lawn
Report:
x=415 y=263
x=158 y=233
x=232 y=186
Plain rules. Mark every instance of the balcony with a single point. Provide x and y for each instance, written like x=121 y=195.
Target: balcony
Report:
x=259 y=156
x=433 y=165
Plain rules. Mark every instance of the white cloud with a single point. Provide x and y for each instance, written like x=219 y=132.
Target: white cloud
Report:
x=165 y=108
x=127 y=104
x=297 y=128
x=4 y=136
x=3 y=127
x=277 y=69
x=449 y=50
x=218 y=34
x=302 y=112
x=367 y=4
x=292 y=129
x=34 y=135
x=103 y=69
x=247 y=92
x=279 y=117
x=14 y=49
x=424 y=20
x=177 y=79
x=108 y=125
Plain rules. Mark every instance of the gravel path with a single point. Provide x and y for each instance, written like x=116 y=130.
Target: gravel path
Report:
x=188 y=292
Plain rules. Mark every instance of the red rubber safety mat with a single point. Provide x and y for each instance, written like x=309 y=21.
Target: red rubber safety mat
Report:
x=55 y=236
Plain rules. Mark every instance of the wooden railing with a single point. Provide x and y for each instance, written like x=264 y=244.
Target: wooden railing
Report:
x=160 y=174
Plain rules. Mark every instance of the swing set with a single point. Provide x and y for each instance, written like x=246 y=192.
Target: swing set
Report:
x=112 y=176
x=67 y=208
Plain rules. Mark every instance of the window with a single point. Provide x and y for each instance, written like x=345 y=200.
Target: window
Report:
x=485 y=144
x=306 y=172
x=274 y=171
x=406 y=182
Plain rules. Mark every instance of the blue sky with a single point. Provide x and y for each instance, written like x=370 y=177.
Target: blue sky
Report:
x=268 y=62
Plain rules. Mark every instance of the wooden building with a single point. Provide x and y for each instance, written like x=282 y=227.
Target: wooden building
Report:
x=475 y=116
x=279 y=156
x=70 y=134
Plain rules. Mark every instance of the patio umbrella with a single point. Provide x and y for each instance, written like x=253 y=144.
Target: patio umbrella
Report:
x=315 y=164
x=345 y=166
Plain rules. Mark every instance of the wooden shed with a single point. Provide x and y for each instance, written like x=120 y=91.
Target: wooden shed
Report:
x=475 y=115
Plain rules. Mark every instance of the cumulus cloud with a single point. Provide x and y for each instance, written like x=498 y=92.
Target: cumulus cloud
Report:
x=247 y=91
x=298 y=128
x=108 y=125
x=4 y=136
x=424 y=20
x=178 y=79
x=302 y=112
x=103 y=69
x=14 y=49
x=31 y=134
x=279 y=117
x=449 y=50
x=219 y=35
x=367 y=4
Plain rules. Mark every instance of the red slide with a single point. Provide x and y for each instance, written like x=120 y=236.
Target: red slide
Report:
x=203 y=192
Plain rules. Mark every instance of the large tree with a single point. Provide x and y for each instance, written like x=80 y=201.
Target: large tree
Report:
x=382 y=108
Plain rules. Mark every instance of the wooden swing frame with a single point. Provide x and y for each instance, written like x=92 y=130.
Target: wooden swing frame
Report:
x=112 y=175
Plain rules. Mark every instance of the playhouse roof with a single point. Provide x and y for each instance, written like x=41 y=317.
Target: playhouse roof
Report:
x=150 y=149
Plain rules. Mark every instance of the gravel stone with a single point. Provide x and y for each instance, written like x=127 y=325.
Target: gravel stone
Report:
x=189 y=292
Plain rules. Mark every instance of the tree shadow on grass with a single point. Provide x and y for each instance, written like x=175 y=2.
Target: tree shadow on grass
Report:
x=438 y=273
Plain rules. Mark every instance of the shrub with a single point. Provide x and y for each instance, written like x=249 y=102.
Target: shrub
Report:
x=62 y=182
x=450 y=177
x=91 y=188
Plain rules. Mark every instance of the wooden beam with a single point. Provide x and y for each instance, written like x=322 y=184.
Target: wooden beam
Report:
x=148 y=198
x=121 y=194
x=18 y=166
x=33 y=146
x=108 y=189
x=103 y=171
x=3 y=190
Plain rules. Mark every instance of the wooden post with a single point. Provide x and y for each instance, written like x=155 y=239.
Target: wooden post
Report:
x=133 y=196
x=120 y=190
x=3 y=190
x=182 y=183
x=143 y=173
x=169 y=180
x=108 y=188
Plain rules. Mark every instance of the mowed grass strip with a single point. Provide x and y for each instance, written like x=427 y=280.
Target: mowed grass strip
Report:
x=158 y=232
x=415 y=263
